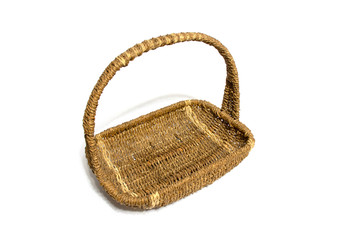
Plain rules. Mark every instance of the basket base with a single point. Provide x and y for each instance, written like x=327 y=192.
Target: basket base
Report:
x=168 y=154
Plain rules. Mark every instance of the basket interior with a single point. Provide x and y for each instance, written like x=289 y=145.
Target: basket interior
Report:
x=157 y=150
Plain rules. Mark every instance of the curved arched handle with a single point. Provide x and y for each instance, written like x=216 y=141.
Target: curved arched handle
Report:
x=230 y=102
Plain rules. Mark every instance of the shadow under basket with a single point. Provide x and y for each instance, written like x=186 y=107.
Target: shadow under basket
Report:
x=170 y=153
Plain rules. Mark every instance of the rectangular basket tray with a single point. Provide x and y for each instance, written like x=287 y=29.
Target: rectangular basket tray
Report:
x=168 y=154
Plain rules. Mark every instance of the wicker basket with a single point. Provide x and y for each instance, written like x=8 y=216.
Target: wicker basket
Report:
x=168 y=154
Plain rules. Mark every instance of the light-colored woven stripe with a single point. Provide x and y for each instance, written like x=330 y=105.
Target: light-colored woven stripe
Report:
x=106 y=157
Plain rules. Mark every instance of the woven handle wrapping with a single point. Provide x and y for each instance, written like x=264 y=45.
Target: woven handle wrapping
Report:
x=230 y=102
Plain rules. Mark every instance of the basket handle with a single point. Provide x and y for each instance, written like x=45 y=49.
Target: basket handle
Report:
x=230 y=102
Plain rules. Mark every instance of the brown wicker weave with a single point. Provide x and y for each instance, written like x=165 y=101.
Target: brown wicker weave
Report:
x=168 y=154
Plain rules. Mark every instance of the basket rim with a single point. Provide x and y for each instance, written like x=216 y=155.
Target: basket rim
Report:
x=145 y=201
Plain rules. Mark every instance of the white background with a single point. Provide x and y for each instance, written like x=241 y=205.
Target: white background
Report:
x=299 y=75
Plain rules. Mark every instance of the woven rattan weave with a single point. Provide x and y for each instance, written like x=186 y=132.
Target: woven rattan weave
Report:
x=168 y=154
